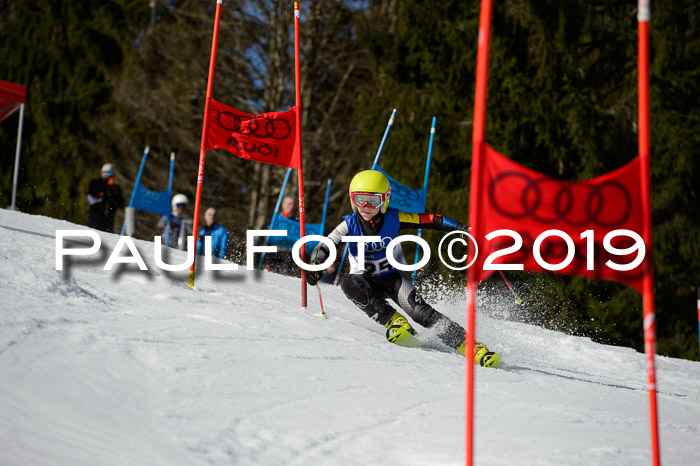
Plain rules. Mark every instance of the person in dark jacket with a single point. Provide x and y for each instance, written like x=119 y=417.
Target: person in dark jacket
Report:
x=219 y=235
x=105 y=198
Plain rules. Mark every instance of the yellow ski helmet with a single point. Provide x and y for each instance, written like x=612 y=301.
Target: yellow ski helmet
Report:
x=370 y=187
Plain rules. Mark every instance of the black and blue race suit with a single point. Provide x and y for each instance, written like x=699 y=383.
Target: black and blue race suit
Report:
x=370 y=287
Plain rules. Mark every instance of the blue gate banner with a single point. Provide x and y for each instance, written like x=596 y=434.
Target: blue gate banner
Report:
x=292 y=226
x=405 y=198
x=157 y=202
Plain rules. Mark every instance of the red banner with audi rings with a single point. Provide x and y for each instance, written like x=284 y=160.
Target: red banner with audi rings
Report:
x=528 y=221
x=268 y=137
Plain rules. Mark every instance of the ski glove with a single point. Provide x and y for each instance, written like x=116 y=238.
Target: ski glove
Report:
x=313 y=277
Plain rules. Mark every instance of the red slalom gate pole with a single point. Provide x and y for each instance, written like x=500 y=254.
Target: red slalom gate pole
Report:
x=643 y=16
x=478 y=134
x=202 y=151
x=469 y=361
x=300 y=171
x=699 y=311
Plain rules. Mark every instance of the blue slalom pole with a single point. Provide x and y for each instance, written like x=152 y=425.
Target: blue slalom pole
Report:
x=374 y=166
x=170 y=196
x=430 y=153
x=277 y=208
x=325 y=206
x=381 y=144
x=138 y=180
x=425 y=185
x=323 y=217
x=172 y=170
x=340 y=267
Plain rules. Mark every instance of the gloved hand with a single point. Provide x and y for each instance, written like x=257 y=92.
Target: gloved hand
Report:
x=313 y=277
x=95 y=200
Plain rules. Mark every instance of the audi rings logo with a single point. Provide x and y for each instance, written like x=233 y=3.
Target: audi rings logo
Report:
x=260 y=128
x=403 y=192
x=607 y=204
x=378 y=246
x=404 y=196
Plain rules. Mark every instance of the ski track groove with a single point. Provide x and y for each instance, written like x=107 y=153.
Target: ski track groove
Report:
x=317 y=452
x=131 y=367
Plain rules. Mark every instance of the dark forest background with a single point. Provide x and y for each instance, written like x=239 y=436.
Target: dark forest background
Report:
x=107 y=78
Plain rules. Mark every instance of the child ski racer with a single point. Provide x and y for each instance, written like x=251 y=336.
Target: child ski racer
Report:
x=371 y=286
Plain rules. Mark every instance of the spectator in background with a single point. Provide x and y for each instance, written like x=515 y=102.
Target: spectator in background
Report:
x=219 y=235
x=105 y=198
x=281 y=261
x=180 y=227
x=288 y=208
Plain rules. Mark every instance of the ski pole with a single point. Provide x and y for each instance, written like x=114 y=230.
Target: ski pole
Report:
x=320 y=299
x=517 y=300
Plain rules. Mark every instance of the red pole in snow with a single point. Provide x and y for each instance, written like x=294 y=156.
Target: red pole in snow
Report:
x=698 y=310
x=643 y=16
x=482 y=67
x=202 y=151
x=300 y=171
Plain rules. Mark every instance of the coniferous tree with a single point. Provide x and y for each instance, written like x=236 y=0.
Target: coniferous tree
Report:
x=64 y=52
x=106 y=78
x=562 y=100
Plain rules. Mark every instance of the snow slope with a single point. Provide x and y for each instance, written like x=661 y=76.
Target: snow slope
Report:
x=135 y=368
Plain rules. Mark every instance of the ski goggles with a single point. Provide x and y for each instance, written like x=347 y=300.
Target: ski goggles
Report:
x=373 y=200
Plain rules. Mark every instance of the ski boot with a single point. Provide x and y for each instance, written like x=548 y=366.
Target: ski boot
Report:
x=400 y=332
x=482 y=355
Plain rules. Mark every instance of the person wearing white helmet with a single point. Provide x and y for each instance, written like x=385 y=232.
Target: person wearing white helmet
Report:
x=371 y=286
x=104 y=198
x=176 y=227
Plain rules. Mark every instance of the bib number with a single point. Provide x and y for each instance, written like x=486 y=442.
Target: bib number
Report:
x=377 y=267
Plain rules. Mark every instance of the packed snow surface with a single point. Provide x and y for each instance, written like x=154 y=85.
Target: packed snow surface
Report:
x=131 y=367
